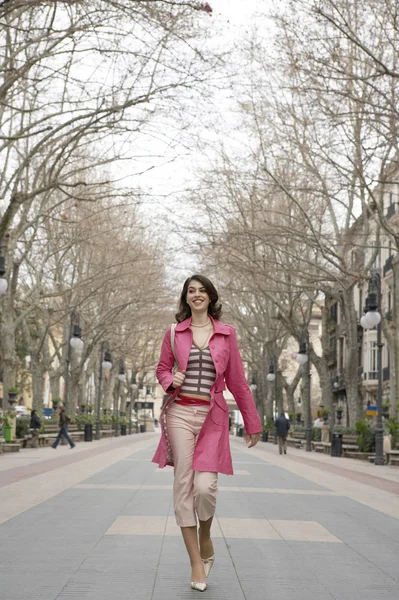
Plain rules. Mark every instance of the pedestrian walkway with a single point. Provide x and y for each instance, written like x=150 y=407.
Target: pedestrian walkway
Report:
x=98 y=524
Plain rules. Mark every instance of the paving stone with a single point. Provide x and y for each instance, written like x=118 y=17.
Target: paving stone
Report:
x=277 y=536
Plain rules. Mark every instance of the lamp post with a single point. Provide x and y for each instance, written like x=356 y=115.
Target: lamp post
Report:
x=271 y=377
x=3 y=280
x=140 y=395
x=74 y=341
x=121 y=379
x=371 y=319
x=133 y=387
x=253 y=385
x=302 y=358
x=105 y=365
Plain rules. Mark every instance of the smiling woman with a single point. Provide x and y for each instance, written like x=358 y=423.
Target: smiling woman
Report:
x=195 y=419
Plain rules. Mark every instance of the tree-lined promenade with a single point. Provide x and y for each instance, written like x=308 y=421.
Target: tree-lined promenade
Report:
x=291 y=204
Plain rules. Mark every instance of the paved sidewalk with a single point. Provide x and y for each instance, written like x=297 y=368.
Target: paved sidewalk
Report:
x=98 y=524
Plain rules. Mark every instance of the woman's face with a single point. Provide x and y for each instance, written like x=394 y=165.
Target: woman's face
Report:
x=197 y=297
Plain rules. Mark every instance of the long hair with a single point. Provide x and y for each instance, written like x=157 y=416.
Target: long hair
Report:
x=214 y=308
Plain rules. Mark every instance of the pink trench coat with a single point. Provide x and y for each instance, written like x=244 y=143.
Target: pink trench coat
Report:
x=212 y=451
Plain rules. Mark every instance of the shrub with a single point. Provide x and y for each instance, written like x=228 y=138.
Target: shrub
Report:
x=316 y=434
x=269 y=425
x=393 y=428
x=22 y=426
x=366 y=436
x=82 y=420
x=106 y=419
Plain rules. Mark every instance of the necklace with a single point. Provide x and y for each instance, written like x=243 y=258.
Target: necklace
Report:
x=207 y=323
x=205 y=343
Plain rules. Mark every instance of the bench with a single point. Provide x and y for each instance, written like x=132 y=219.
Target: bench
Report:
x=319 y=446
x=349 y=446
x=393 y=457
x=349 y=443
x=297 y=439
x=10 y=446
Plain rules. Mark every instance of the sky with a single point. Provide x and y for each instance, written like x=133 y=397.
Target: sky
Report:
x=165 y=177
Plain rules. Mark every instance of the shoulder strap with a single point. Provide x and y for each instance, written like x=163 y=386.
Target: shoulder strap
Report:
x=172 y=338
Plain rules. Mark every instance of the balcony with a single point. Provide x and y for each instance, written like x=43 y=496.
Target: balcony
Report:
x=370 y=379
x=390 y=211
x=385 y=374
x=388 y=265
x=370 y=375
x=337 y=383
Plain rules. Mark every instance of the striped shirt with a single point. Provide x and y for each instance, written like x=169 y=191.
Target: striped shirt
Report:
x=200 y=373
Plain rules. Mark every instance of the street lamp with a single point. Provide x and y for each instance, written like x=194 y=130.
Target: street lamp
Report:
x=121 y=379
x=74 y=341
x=3 y=280
x=302 y=358
x=371 y=319
x=253 y=385
x=133 y=387
x=271 y=376
x=105 y=365
x=140 y=395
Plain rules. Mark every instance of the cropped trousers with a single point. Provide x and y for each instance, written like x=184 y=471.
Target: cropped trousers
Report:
x=194 y=492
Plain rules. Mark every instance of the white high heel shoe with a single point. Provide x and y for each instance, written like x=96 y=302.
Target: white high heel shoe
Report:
x=200 y=586
x=208 y=564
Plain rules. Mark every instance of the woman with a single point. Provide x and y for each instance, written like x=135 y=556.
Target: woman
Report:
x=195 y=419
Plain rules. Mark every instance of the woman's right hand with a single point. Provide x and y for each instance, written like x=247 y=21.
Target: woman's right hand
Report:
x=178 y=379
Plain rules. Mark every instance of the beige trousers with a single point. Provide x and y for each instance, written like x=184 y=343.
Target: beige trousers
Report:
x=282 y=443
x=194 y=492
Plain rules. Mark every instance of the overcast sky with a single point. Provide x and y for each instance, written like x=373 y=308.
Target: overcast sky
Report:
x=231 y=22
x=168 y=171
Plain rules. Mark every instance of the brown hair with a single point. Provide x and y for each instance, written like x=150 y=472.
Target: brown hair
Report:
x=214 y=308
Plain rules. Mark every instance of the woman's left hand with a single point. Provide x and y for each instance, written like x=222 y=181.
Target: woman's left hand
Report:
x=252 y=439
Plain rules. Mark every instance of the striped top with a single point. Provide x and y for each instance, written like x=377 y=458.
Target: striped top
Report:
x=200 y=373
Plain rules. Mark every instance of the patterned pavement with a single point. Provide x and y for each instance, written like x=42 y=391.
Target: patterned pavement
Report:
x=98 y=525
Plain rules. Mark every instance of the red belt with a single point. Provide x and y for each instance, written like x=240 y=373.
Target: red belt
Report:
x=187 y=401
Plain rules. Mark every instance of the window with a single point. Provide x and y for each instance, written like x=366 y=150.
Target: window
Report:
x=333 y=346
x=372 y=357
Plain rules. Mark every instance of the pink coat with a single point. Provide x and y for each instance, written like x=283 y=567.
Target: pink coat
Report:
x=212 y=451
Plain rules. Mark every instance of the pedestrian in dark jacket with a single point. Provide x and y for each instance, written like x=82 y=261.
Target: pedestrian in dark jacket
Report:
x=282 y=425
x=64 y=421
x=34 y=427
x=34 y=421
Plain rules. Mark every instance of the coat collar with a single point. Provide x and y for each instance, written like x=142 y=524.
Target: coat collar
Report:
x=218 y=326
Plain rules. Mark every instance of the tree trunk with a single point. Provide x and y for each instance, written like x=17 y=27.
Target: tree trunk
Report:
x=279 y=393
x=355 y=401
x=321 y=362
x=8 y=354
x=394 y=345
x=37 y=371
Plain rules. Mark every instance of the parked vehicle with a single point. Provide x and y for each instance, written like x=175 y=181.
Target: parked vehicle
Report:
x=21 y=411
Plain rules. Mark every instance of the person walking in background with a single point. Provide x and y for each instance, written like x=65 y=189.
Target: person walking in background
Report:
x=34 y=427
x=195 y=418
x=282 y=425
x=63 y=424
